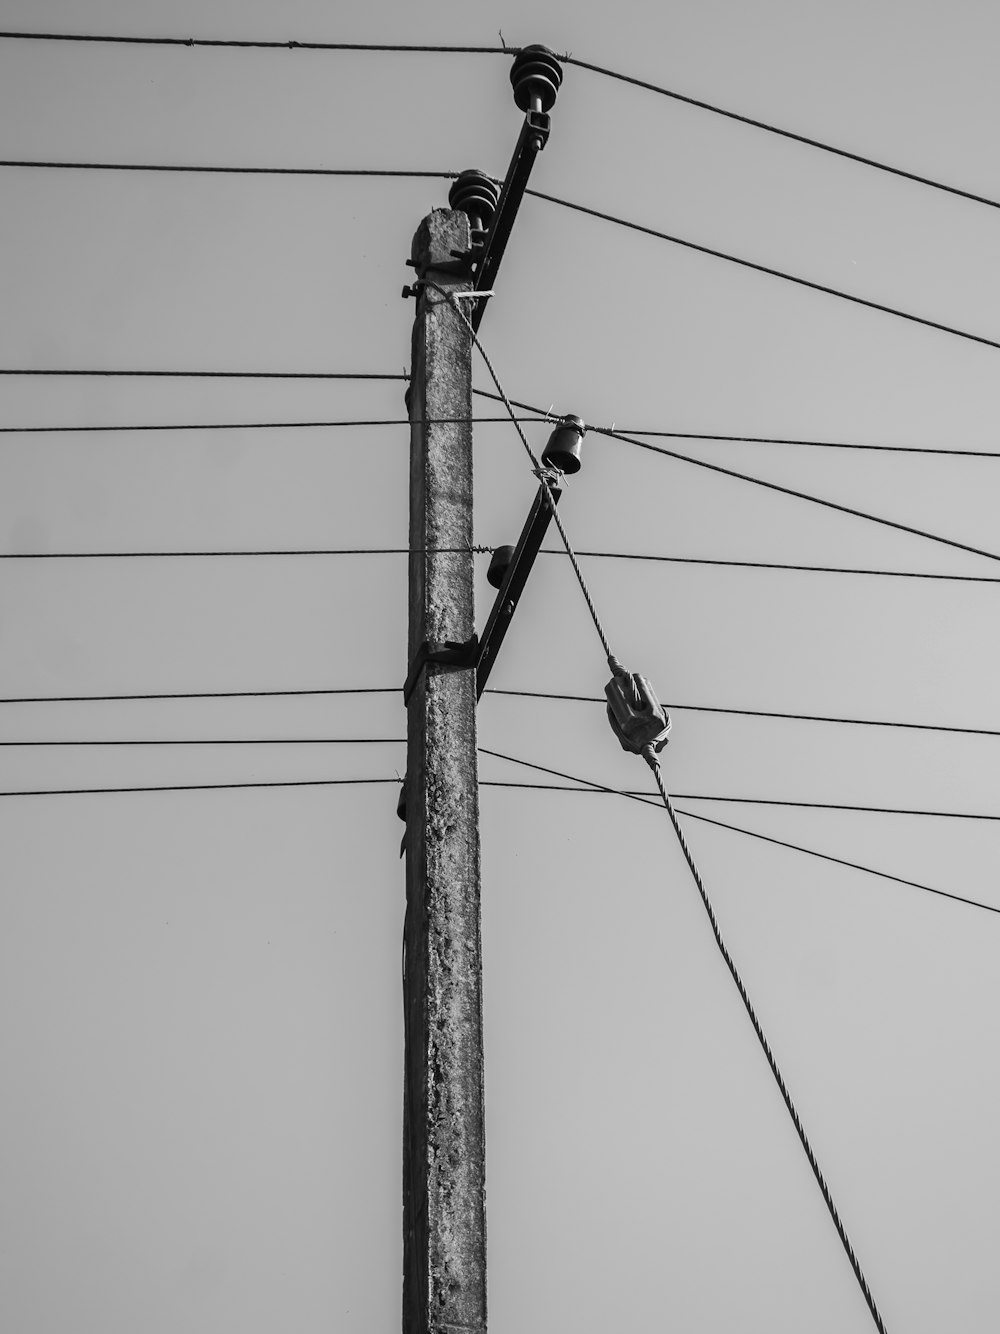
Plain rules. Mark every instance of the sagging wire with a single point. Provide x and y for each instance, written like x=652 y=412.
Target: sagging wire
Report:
x=642 y=727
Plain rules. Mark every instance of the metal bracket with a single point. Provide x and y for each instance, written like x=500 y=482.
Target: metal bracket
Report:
x=512 y=587
x=532 y=139
x=440 y=653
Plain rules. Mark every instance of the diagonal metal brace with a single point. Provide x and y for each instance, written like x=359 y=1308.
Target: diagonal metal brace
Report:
x=531 y=141
x=532 y=535
x=442 y=653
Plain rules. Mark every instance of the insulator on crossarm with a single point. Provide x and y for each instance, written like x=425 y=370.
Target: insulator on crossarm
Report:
x=563 y=450
x=535 y=77
x=475 y=194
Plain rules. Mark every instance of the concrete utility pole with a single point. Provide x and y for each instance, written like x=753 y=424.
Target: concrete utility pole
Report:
x=456 y=253
x=444 y=1150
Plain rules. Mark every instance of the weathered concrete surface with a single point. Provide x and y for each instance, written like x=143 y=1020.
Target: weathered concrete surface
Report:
x=444 y=1213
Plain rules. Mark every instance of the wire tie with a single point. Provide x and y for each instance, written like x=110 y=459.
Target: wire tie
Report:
x=470 y=296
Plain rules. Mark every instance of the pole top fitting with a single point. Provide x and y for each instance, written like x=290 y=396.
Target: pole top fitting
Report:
x=475 y=194
x=535 y=77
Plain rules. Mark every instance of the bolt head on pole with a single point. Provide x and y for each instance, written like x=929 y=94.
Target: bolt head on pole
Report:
x=564 y=447
x=475 y=194
x=535 y=77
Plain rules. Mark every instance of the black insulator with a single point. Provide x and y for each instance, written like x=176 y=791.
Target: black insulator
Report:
x=500 y=563
x=535 y=74
x=563 y=450
x=475 y=194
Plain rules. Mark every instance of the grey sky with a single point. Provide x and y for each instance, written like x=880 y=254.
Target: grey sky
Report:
x=200 y=1036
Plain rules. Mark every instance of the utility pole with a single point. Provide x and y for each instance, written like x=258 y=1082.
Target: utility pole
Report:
x=444 y=1146
x=456 y=253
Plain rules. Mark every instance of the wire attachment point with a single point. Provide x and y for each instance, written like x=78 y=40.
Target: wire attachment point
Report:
x=637 y=717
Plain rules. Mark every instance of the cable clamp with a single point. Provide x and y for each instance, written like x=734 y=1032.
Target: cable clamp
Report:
x=440 y=653
x=548 y=476
x=420 y=283
x=637 y=717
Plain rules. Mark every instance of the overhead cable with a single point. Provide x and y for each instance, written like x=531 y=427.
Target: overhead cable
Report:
x=939 y=451
x=784 y=134
x=483 y=549
x=538 y=194
x=621 y=675
x=543 y=474
x=840 y=861
x=201 y=694
x=766 y=269
x=802 y=495
x=265 y=45
x=769 y=486
x=193 y=787
x=776 y=565
x=243 y=551
x=254 y=426
x=206 y=375
x=228 y=741
x=750 y=801
x=588 y=786
x=436 y=421
x=761 y=713
x=224 y=170
x=566 y=59
x=494 y=690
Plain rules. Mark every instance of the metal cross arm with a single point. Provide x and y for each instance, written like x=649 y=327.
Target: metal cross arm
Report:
x=535 y=77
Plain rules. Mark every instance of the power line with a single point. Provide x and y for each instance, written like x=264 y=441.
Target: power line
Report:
x=648 y=754
x=751 y=801
x=775 y=565
x=815 y=444
x=492 y=690
x=546 y=476
x=254 y=426
x=840 y=861
x=167 y=555
x=621 y=674
x=537 y=194
x=263 y=45
x=836 y=806
x=598 y=789
x=406 y=421
x=200 y=694
x=766 y=269
x=760 y=481
x=194 y=787
x=208 y=375
x=216 y=169
x=765 y=713
x=804 y=495
x=567 y=59
x=230 y=741
x=325 y=782
x=482 y=550
x=784 y=134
